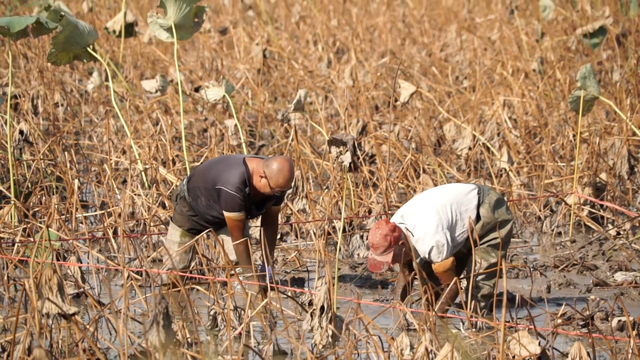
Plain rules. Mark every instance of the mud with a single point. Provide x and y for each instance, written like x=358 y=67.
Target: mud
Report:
x=585 y=285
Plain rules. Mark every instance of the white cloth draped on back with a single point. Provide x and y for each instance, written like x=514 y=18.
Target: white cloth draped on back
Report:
x=436 y=221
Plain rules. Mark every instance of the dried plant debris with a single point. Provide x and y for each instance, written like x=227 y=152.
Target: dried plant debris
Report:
x=462 y=139
x=342 y=148
x=232 y=129
x=506 y=161
x=327 y=98
x=40 y=353
x=225 y=319
x=578 y=352
x=298 y=103
x=427 y=347
x=521 y=345
x=156 y=86
x=52 y=297
x=22 y=137
x=406 y=90
x=21 y=344
x=319 y=318
x=214 y=91
x=95 y=81
x=87 y=6
x=537 y=66
x=588 y=88
x=75 y=281
x=448 y=352
x=546 y=9
x=626 y=278
x=594 y=33
x=115 y=25
x=295 y=110
x=403 y=346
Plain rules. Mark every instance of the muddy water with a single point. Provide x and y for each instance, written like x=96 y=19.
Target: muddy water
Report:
x=108 y=288
x=386 y=319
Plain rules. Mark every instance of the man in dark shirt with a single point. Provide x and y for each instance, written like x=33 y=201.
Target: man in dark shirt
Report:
x=221 y=194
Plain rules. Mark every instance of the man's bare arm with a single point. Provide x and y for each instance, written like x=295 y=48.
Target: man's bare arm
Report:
x=269 y=223
x=236 y=223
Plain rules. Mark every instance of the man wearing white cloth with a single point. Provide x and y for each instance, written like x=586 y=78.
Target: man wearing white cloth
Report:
x=444 y=229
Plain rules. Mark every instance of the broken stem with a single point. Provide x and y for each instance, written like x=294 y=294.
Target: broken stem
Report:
x=233 y=111
x=124 y=123
x=9 y=150
x=335 y=275
x=124 y=23
x=635 y=129
x=175 y=56
x=575 y=168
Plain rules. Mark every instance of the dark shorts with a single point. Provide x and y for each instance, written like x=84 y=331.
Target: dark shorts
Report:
x=184 y=216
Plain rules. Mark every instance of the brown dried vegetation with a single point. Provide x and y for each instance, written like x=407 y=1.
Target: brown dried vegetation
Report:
x=376 y=101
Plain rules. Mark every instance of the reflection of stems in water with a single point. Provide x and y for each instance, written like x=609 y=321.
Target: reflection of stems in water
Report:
x=175 y=57
x=344 y=200
x=124 y=123
x=575 y=167
x=9 y=149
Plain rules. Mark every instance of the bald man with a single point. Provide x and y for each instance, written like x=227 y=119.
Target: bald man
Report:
x=221 y=194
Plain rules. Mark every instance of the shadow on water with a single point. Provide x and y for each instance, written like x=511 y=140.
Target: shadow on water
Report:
x=364 y=281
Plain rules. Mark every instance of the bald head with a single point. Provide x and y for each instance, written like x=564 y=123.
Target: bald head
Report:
x=280 y=172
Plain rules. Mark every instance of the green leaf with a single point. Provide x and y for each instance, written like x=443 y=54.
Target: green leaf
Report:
x=633 y=9
x=186 y=17
x=594 y=33
x=48 y=241
x=48 y=234
x=586 y=82
x=20 y=27
x=594 y=39
x=56 y=13
x=46 y=6
x=546 y=9
x=71 y=42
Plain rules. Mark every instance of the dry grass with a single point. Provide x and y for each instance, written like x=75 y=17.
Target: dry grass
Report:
x=486 y=84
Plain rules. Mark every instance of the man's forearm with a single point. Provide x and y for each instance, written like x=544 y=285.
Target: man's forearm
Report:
x=270 y=237
x=269 y=224
x=243 y=253
x=236 y=223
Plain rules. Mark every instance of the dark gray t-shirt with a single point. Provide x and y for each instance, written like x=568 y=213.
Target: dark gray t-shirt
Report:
x=221 y=185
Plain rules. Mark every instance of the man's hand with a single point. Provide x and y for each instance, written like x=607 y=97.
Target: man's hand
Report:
x=445 y=270
x=446 y=273
x=236 y=223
